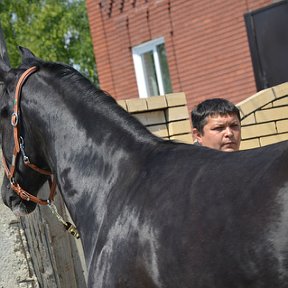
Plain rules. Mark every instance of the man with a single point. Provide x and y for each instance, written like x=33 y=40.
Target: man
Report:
x=216 y=124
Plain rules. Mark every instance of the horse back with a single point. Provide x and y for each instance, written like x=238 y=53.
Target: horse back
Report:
x=196 y=217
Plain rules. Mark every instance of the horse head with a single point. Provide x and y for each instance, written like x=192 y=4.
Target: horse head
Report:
x=20 y=149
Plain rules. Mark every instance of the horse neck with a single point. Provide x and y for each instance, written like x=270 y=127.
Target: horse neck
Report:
x=88 y=146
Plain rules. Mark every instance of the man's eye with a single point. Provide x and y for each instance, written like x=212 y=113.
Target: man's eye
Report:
x=218 y=128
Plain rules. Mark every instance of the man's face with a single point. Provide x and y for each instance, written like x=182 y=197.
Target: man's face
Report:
x=220 y=133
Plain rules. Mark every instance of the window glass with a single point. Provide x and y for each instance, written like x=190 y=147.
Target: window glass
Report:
x=151 y=68
x=150 y=74
x=164 y=68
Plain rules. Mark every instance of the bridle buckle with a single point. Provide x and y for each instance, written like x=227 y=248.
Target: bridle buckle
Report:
x=25 y=157
x=14 y=119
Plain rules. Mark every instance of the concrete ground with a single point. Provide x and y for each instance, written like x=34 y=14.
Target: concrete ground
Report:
x=15 y=263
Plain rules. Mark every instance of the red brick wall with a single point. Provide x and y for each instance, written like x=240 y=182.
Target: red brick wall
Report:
x=206 y=44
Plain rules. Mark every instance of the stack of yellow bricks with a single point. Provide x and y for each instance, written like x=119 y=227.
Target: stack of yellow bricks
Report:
x=165 y=116
x=265 y=117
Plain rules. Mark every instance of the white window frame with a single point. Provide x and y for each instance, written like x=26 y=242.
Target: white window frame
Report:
x=137 y=52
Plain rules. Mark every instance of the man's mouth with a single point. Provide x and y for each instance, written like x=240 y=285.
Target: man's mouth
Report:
x=227 y=143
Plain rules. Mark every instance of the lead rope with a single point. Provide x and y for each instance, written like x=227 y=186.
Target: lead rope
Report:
x=68 y=226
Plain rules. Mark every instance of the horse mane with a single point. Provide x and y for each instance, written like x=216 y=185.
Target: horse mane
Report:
x=101 y=101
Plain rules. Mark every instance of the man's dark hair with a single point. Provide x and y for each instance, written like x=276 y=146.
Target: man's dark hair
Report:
x=212 y=107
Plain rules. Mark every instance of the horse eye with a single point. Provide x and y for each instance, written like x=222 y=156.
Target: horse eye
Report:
x=4 y=112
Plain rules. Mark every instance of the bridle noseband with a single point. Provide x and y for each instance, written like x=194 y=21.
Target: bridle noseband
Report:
x=19 y=147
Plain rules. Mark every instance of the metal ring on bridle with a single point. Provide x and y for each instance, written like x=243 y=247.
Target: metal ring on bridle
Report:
x=12 y=181
x=14 y=119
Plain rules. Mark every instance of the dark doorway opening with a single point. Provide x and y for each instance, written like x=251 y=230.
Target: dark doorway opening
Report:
x=267 y=30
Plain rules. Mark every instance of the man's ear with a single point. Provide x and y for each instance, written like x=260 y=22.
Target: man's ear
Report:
x=197 y=136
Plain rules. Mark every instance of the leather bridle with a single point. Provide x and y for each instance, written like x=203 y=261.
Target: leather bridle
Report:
x=19 y=148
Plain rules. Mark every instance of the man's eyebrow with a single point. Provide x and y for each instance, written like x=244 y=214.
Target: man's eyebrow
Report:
x=219 y=123
x=216 y=125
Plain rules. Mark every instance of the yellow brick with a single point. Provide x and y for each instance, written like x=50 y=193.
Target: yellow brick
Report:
x=150 y=118
x=282 y=126
x=281 y=102
x=248 y=120
x=156 y=102
x=273 y=139
x=159 y=130
x=271 y=114
x=176 y=99
x=185 y=138
x=281 y=90
x=249 y=144
x=177 y=113
x=253 y=103
x=122 y=103
x=258 y=130
x=136 y=105
x=179 y=127
x=267 y=106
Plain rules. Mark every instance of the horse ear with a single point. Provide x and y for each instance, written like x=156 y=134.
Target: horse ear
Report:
x=4 y=68
x=26 y=53
x=4 y=59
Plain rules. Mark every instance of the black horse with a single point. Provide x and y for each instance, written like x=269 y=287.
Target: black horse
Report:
x=151 y=213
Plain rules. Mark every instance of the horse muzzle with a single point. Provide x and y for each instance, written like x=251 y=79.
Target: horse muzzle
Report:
x=18 y=206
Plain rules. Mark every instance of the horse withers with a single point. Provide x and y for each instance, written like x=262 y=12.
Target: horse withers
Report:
x=151 y=213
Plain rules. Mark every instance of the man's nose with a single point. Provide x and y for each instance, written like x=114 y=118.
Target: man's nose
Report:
x=228 y=131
